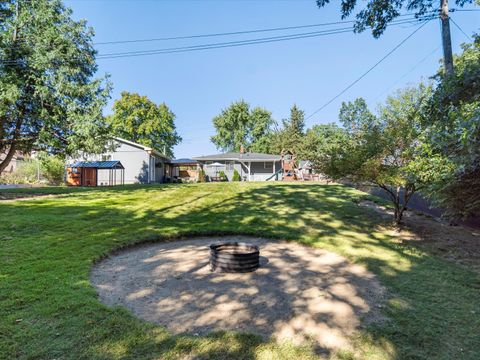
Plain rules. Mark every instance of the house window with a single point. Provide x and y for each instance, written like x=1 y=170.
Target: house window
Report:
x=230 y=165
x=106 y=157
x=268 y=165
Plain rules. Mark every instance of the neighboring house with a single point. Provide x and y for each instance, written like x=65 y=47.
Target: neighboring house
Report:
x=250 y=166
x=141 y=164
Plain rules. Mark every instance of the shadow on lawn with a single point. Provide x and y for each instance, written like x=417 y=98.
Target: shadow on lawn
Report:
x=301 y=294
x=427 y=295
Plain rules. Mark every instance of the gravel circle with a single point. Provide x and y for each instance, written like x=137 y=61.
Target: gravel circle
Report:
x=298 y=294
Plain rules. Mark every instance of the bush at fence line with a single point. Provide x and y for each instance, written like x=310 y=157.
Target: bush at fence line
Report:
x=46 y=169
x=53 y=169
x=27 y=172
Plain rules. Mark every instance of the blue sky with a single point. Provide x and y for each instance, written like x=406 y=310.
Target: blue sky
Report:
x=308 y=72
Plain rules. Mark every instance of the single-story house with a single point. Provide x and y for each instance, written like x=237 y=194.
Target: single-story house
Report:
x=251 y=166
x=141 y=164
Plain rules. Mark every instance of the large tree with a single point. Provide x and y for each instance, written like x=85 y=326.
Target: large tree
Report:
x=452 y=134
x=49 y=99
x=238 y=125
x=381 y=150
x=137 y=118
x=376 y=14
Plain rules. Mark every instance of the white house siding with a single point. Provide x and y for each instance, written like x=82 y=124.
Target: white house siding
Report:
x=134 y=160
x=258 y=170
x=140 y=166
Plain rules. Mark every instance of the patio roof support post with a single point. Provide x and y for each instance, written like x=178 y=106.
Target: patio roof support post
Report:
x=115 y=176
x=249 y=172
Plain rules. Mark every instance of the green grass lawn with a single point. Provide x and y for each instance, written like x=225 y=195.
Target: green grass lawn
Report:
x=49 y=310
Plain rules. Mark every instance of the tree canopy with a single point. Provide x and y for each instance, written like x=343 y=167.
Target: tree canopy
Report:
x=378 y=149
x=290 y=135
x=376 y=14
x=319 y=142
x=238 y=125
x=49 y=98
x=137 y=118
x=452 y=134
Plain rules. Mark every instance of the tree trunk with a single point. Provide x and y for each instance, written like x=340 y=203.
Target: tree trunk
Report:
x=409 y=191
x=398 y=215
x=4 y=163
x=394 y=195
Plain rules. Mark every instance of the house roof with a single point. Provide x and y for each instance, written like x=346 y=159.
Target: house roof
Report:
x=112 y=164
x=250 y=156
x=183 y=161
x=143 y=147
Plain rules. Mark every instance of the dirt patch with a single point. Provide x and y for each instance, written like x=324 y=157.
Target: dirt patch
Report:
x=299 y=293
x=459 y=244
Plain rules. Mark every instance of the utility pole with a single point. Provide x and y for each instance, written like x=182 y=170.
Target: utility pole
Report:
x=15 y=29
x=446 y=38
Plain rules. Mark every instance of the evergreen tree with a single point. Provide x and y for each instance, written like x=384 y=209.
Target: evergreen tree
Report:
x=291 y=135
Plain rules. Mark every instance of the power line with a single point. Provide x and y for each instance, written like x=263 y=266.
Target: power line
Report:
x=242 y=32
x=219 y=34
x=182 y=37
x=366 y=72
x=421 y=61
x=465 y=10
x=459 y=28
x=224 y=44
x=237 y=43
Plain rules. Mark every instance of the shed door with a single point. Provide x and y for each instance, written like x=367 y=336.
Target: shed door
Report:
x=89 y=177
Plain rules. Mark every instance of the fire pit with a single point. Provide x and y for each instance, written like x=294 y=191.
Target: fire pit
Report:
x=234 y=257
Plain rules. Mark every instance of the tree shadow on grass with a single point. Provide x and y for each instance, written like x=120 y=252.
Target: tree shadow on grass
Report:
x=49 y=244
x=300 y=295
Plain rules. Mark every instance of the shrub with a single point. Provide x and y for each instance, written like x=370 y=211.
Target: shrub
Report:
x=236 y=176
x=27 y=172
x=201 y=176
x=53 y=169
x=223 y=175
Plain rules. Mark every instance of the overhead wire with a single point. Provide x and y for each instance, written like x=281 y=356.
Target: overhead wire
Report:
x=366 y=72
x=241 y=32
x=459 y=28
x=421 y=61
x=239 y=42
